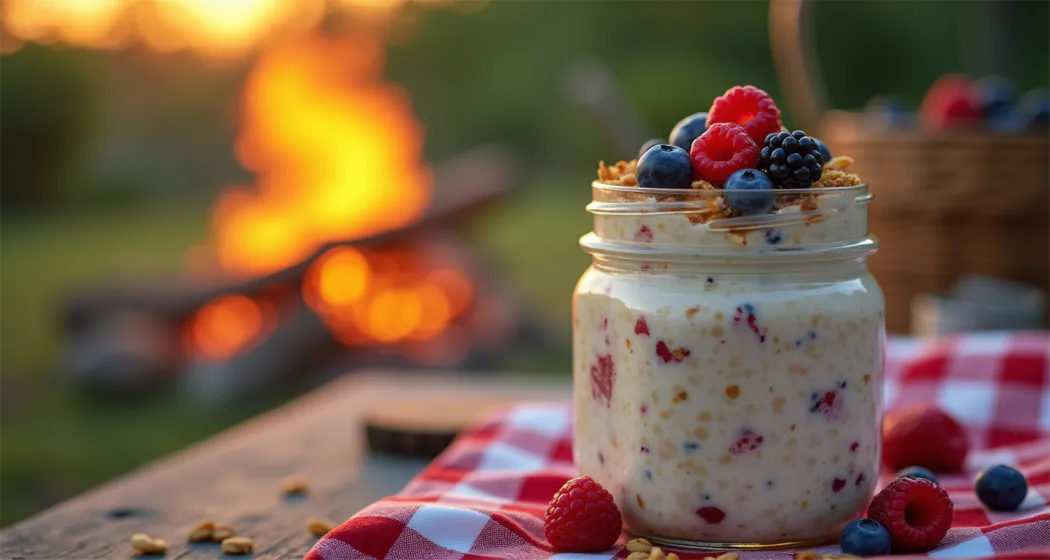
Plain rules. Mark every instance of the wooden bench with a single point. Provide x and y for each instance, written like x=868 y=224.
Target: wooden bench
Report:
x=235 y=477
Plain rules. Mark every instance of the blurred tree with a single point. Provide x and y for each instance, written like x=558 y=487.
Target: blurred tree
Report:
x=46 y=107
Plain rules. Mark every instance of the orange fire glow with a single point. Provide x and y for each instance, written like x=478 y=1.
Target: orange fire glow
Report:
x=384 y=297
x=336 y=152
x=216 y=28
x=225 y=326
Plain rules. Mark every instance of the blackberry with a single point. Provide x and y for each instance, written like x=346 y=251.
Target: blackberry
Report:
x=791 y=159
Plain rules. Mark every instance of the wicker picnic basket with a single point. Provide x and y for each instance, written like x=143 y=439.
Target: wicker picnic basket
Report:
x=946 y=203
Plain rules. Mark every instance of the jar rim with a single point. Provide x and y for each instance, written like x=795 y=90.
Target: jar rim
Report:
x=598 y=185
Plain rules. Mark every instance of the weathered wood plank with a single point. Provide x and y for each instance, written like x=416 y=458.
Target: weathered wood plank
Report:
x=235 y=476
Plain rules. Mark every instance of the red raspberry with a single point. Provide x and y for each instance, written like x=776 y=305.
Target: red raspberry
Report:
x=926 y=436
x=582 y=517
x=915 y=511
x=748 y=107
x=722 y=150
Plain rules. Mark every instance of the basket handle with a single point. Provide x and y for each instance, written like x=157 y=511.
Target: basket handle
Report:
x=794 y=61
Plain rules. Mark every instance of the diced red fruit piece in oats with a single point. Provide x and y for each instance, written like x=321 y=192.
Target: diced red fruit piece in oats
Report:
x=746 y=313
x=603 y=374
x=644 y=235
x=667 y=355
x=828 y=404
x=711 y=514
x=641 y=327
x=721 y=151
x=853 y=446
x=748 y=441
x=838 y=484
x=860 y=478
x=748 y=107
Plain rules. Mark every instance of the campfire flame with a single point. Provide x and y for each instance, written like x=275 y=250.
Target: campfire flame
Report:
x=336 y=152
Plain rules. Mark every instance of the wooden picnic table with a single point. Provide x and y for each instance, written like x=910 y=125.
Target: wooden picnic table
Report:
x=235 y=477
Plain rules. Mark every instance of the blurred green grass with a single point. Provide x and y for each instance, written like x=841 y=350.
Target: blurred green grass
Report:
x=56 y=443
x=46 y=259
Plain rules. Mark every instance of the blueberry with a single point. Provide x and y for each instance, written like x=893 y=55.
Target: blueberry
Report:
x=687 y=129
x=917 y=472
x=865 y=537
x=997 y=95
x=1008 y=121
x=665 y=167
x=1034 y=108
x=822 y=149
x=749 y=192
x=1001 y=488
x=649 y=144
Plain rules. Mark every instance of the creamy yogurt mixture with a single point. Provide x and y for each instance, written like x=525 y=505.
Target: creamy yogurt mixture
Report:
x=730 y=407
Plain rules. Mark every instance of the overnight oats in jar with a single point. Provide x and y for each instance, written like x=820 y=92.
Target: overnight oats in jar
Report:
x=728 y=338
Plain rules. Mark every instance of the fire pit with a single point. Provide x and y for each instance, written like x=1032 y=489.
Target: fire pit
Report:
x=342 y=249
x=414 y=295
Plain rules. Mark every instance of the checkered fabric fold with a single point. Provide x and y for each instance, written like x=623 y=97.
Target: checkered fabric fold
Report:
x=485 y=496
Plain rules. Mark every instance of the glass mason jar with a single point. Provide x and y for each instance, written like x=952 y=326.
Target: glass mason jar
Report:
x=728 y=370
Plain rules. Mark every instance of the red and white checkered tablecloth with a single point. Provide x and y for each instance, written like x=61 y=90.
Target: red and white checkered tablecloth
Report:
x=485 y=496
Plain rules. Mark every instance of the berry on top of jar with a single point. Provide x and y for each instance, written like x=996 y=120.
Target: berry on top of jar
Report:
x=740 y=137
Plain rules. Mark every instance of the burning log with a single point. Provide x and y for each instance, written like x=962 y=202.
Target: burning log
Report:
x=246 y=357
x=464 y=185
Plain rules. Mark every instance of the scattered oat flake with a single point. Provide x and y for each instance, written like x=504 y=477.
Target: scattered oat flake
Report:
x=237 y=545
x=147 y=544
x=319 y=527
x=296 y=484
x=638 y=545
x=201 y=532
x=703 y=185
x=222 y=532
